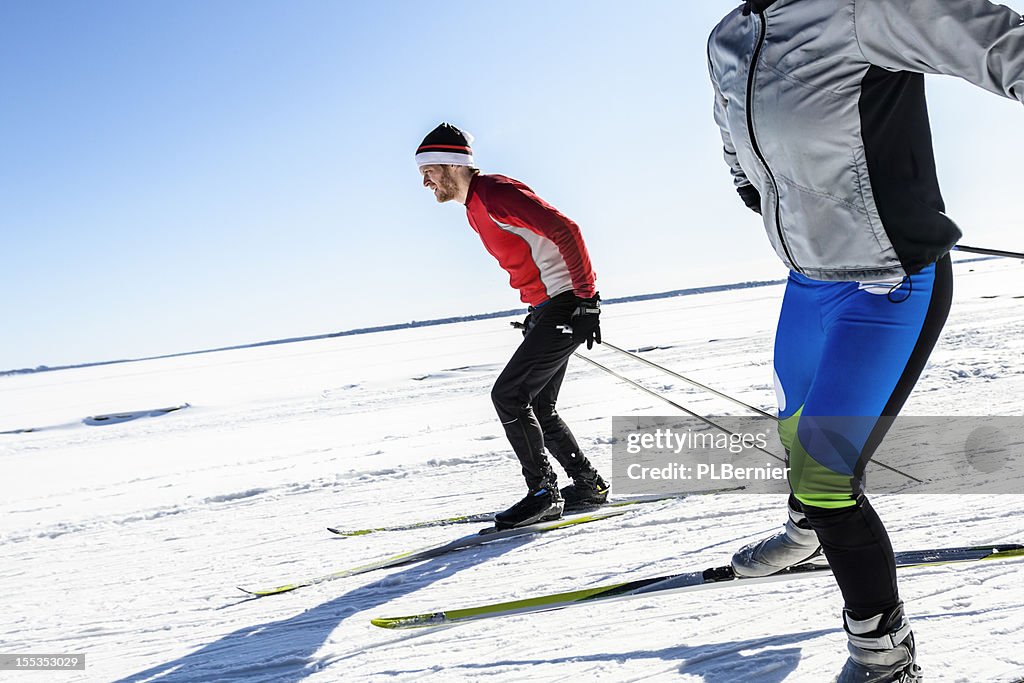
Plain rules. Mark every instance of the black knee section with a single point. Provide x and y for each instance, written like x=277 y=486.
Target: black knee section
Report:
x=859 y=551
x=506 y=402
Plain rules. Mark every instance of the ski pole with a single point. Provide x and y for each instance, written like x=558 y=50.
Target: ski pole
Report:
x=727 y=396
x=988 y=252
x=690 y=381
x=568 y=330
x=670 y=402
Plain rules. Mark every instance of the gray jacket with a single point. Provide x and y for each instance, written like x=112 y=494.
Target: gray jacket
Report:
x=823 y=116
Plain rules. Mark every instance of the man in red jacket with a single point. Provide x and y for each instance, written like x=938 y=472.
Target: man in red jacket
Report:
x=547 y=261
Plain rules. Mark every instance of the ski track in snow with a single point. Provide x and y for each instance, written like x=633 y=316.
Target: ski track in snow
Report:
x=126 y=541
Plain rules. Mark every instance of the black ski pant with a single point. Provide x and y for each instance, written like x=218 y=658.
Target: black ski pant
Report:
x=525 y=393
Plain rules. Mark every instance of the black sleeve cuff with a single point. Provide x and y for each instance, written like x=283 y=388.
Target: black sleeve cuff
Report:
x=751 y=197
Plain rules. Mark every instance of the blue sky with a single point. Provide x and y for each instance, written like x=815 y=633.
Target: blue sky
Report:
x=185 y=175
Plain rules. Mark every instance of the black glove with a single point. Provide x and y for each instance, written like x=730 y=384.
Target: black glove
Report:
x=586 y=321
x=751 y=197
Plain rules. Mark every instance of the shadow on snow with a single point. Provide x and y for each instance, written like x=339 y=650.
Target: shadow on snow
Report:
x=284 y=651
x=768 y=659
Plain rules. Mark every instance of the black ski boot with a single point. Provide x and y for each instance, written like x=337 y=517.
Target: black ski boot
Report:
x=586 y=490
x=539 y=505
x=881 y=649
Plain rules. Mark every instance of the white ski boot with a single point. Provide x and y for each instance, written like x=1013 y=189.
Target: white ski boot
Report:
x=795 y=544
x=881 y=649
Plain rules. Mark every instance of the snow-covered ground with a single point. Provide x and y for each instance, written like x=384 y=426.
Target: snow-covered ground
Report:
x=126 y=540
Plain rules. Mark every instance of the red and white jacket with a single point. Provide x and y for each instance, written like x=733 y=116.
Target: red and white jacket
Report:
x=541 y=249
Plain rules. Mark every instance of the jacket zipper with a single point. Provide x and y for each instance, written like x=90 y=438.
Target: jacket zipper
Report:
x=753 y=140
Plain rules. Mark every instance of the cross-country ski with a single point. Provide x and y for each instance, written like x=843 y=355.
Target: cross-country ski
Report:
x=483 y=517
x=486 y=535
x=715 y=577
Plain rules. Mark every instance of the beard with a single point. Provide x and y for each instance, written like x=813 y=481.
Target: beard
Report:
x=446 y=187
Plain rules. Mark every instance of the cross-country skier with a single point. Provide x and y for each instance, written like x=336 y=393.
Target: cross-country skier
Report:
x=547 y=261
x=822 y=112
